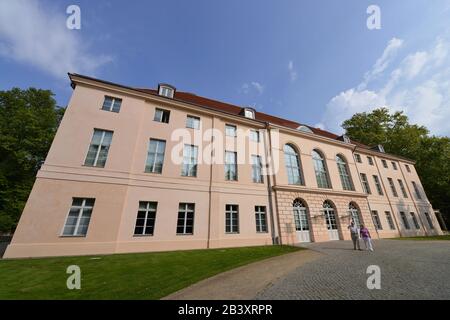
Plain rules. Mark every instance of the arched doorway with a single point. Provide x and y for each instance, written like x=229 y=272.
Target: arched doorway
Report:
x=354 y=214
x=301 y=221
x=330 y=217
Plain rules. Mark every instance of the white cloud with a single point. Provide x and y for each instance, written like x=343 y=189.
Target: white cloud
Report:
x=419 y=85
x=383 y=62
x=292 y=72
x=258 y=87
x=38 y=36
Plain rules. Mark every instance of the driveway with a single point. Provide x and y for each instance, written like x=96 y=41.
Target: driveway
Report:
x=409 y=270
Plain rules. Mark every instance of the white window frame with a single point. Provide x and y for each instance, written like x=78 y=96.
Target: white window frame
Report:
x=344 y=173
x=376 y=220
x=230 y=165
x=393 y=189
x=416 y=190
x=152 y=166
x=193 y=122
x=186 y=210
x=389 y=220
x=233 y=211
x=254 y=135
x=376 y=180
x=166 y=91
x=160 y=118
x=147 y=210
x=190 y=159
x=111 y=106
x=99 y=146
x=229 y=127
x=365 y=183
x=78 y=219
x=248 y=113
x=261 y=219
x=257 y=169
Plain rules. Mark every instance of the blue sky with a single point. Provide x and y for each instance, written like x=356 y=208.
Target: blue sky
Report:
x=315 y=62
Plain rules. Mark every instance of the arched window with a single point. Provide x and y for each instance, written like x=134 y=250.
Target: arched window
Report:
x=354 y=214
x=321 y=170
x=300 y=215
x=330 y=219
x=344 y=173
x=292 y=162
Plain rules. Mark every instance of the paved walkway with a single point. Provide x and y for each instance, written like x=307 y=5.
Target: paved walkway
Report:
x=409 y=270
x=333 y=270
x=245 y=282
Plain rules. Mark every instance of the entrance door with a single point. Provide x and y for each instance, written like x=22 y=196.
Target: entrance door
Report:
x=301 y=222
x=331 y=223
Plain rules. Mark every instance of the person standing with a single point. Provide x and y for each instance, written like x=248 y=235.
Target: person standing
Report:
x=354 y=233
x=365 y=235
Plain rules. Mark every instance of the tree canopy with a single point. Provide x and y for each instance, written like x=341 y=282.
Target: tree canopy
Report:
x=28 y=122
x=398 y=136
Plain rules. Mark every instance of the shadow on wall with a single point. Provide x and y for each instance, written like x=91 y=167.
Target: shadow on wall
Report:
x=4 y=241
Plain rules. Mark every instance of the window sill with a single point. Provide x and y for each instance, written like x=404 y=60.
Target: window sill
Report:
x=74 y=236
x=185 y=234
x=142 y=235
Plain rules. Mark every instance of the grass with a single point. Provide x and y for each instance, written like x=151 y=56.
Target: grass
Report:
x=124 y=276
x=443 y=237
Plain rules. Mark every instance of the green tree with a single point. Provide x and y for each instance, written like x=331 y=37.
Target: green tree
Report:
x=28 y=122
x=398 y=136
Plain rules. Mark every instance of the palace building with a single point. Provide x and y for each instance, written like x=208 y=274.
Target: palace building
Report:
x=136 y=170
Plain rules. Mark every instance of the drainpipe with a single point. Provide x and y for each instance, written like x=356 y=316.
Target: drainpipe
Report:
x=412 y=199
x=389 y=200
x=367 y=198
x=276 y=239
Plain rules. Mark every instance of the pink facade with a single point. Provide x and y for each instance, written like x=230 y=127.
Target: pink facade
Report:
x=204 y=210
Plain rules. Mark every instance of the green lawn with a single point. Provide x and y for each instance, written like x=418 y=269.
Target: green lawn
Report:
x=124 y=276
x=444 y=237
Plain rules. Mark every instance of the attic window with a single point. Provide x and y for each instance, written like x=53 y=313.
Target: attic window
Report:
x=249 y=113
x=304 y=129
x=346 y=139
x=166 y=91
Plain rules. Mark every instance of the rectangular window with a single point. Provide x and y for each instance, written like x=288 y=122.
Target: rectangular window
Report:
x=405 y=220
x=166 y=91
x=370 y=160
x=257 y=169
x=407 y=168
x=402 y=188
x=416 y=190
x=378 y=185
x=365 y=183
x=190 y=154
x=261 y=222
x=394 y=191
x=230 y=130
x=414 y=219
x=231 y=173
x=145 y=220
x=77 y=221
x=376 y=220
x=389 y=220
x=185 y=223
x=394 y=165
x=193 y=122
x=162 y=115
x=254 y=135
x=384 y=163
x=430 y=222
x=111 y=104
x=98 y=149
x=358 y=158
x=155 y=156
x=231 y=218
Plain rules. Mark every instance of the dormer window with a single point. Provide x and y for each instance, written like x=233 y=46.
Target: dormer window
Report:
x=346 y=139
x=304 y=129
x=166 y=90
x=248 y=113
